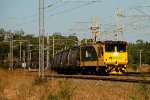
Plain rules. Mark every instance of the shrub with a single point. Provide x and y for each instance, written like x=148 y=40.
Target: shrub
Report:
x=52 y=97
x=135 y=67
x=64 y=93
x=141 y=91
x=1 y=87
x=39 y=80
x=1 y=65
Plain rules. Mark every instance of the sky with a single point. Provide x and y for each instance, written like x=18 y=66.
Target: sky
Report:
x=71 y=16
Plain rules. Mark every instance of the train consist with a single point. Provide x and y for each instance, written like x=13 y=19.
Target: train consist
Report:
x=108 y=57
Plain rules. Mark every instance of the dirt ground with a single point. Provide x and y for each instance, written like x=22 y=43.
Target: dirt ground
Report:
x=17 y=85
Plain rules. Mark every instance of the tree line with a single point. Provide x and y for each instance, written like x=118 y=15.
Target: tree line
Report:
x=134 y=52
x=61 y=43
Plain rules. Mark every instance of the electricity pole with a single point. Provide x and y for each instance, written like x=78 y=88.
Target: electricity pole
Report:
x=41 y=38
x=24 y=54
x=20 y=43
x=119 y=27
x=117 y=30
x=20 y=49
x=24 y=60
x=95 y=29
x=140 y=57
x=11 y=52
x=28 y=53
x=53 y=46
x=47 y=48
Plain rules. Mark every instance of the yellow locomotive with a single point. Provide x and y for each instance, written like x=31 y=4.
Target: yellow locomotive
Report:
x=108 y=57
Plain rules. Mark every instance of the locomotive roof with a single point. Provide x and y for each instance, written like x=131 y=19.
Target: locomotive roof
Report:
x=112 y=42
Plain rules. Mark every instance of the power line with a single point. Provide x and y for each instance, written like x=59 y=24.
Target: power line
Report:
x=11 y=4
x=142 y=12
x=57 y=6
x=70 y=9
x=25 y=23
x=24 y=17
x=56 y=13
x=54 y=9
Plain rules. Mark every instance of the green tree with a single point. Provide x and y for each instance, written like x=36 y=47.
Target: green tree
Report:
x=2 y=34
x=134 y=52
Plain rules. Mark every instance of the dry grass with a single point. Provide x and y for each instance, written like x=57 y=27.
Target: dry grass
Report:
x=143 y=68
x=16 y=85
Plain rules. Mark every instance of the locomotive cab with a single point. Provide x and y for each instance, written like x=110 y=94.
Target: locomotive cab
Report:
x=115 y=56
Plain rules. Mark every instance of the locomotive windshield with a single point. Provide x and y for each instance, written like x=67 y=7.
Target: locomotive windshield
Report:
x=109 y=48
x=121 y=48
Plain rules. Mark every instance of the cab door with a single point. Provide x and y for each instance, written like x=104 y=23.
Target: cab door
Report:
x=100 y=55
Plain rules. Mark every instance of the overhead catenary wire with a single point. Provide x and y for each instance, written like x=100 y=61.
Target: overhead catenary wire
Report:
x=34 y=15
x=9 y=5
x=30 y=21
x=51 y=9
x=127 y=24
x=56 y=13
x=70 y=9
x=56 y=7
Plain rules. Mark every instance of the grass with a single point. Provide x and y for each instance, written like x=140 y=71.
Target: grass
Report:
x=141 y=91
x=38 y=80
x=135 y=67
x=17 y=85
x=65 y=92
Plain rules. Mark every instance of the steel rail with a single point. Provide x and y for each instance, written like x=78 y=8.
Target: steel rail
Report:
x=137 y=74
x=105 y=78
x=134 y=77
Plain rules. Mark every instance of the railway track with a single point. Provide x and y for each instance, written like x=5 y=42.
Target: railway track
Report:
x=145 y=74
x=105 y=78
x=135 y=74
x=138 y=74
x=134 y=77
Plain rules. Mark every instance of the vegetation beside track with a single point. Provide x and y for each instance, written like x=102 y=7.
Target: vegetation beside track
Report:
x=18 y=85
